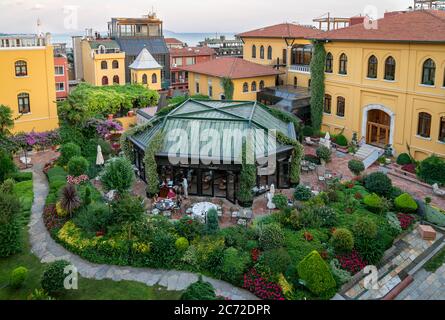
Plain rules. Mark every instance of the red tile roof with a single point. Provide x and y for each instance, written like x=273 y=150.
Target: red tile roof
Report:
x=172 y=41
x=234 y=68
x=403 y=26
x=283 y=30
x=192 y=52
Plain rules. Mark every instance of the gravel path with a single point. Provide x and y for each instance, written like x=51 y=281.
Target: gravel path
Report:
x=47 y=250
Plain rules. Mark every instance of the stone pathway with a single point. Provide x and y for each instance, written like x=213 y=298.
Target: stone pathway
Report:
x=47 y=250
x=426 y=286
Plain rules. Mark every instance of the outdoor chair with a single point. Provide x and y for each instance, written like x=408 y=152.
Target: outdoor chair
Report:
x=308 y=141
x=437 y=191
x=235 y=214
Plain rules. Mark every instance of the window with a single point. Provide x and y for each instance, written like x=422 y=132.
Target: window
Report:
x=23 y=101
x=177 y=61
x=190 y=61
x=253 y=87
x=442 y=129
x=343 y=68
x=372 y=67
x=261 y=85
x=116 y=80
x=329 y=62
x=60 y=86
x=59 y=70
x=341 y=106
x=327 y=103
x=429 y=72
x=262 y=52
x=105 y=81
x=115 y=64
x=21 y=68
x=144 y=79
x=309 y=82
x=285 y=56
x=301 y=55
x=210 y=90
x=104 y=65
x=295 y=81
x=154 y=78
x=254 y=51
x=245 y=87
x=390 y=69
x=269 y=53
x=102 y=49
x=197 y=87
x=424 y=126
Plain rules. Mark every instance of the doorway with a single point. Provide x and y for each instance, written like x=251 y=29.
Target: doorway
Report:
x=378 y=128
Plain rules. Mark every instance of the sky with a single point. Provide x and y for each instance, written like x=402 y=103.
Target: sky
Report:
x=73 y=16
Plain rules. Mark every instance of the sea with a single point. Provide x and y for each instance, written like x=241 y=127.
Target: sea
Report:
x=192 y=39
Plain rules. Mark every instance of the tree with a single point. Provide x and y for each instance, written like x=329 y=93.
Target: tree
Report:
x=227 y=85
x=317 y=85
x=6 y=120
x=118 y=175
x=199 y=290
x=212 y=225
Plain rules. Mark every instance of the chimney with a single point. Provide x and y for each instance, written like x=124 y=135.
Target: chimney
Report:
x=356 y=20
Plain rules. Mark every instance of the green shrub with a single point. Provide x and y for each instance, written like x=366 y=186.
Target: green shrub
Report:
x=236 y=237
x=405 y=203
x=94 y=218
x=209 y=252
x=308 y=131
x=271 y=236
x=395 y=192
x=10 y=235
x=182 y=244
x=342 y=240
x=199 y=290
x=280 y=201
x=432 y=170
x=356 y=166
x=341 y=140
x=56 y=173
x=324 y=153
x=7 y=166
x=77 y=166
x=341 y=276
x=371 y=250
x=379 y=183
x=374 y=203
x=394 y=222
x=7 y=187
x=212 y=223
x=435 y=216
x=39 y=294
x=18 y=277
x=67 y=151
x=21 y=176
x=404 y=159
x=364 y=227
x=163 y=249
x=234 y=264
x=128 y=209
x=302 y=193
x=87 y=196
x=118 y=175
x=276 y=261
x=316 y=275
x=189 y=228
x=53 y=277
x=327 y=215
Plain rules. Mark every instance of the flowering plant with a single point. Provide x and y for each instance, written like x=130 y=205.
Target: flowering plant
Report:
x=255 y=253
x=77 y=180
x=352 y=262
x=262 y=288
x=51 y=219
x=308 y=236
x=405 y=220
x=104 y=128
x=37 y=139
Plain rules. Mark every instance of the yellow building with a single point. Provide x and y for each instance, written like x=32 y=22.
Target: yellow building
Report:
x=28 y=82
x=387 y=85
x=283 y=46
x=103 y=63
x=146 y=70
x=248 y=78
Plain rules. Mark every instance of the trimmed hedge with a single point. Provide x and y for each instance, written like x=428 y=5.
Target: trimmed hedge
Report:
x=405 y=203
x=404 y=159
x=432 y=170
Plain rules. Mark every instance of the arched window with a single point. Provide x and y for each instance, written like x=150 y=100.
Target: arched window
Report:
x=102 y=49
x=245 y=87
x=116 y=80
x=329 y=63
x=301 y=55
x=262 y=52
x=341 y=106
x=104 y=65
x=372 y=67
x=144 y=79
x=327 y=103
x=429 y=72
x=115 y=64
x=154 y=78
x=23 y=102
x=21 y=68
x=343 y=67
x=424 y=125
x=261 y=85
x=442 y=129
x=253 y=86
x=269 y=52
x=254 y=51
x=390 y=69
x=105 y=81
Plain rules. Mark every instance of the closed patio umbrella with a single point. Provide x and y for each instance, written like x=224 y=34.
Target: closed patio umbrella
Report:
x=100 y=158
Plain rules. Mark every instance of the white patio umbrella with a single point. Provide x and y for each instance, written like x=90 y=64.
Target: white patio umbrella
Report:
x=272 y=190
x=100 y=158
x=328 y=136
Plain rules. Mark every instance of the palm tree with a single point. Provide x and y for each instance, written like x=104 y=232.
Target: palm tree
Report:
x=6 y=120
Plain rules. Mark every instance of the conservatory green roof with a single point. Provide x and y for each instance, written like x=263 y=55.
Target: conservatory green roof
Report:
x=216 y=124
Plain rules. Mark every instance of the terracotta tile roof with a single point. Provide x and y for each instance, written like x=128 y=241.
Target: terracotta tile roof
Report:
x=283 y=30
x=192 y=52
x=234 y=68
x=403 y=26
x=172 y=41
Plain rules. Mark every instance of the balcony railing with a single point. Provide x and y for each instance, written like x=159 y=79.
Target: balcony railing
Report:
x=300 y=68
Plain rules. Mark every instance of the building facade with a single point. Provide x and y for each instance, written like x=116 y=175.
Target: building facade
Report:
x=28 y=83
x=186 y=56
x=146 y=70
x=248 y=78
x=173 y=43
x=224 y=47
x=388 y=85
x=61 y=71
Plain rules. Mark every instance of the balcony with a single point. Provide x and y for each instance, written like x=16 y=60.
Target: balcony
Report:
x=300 y=68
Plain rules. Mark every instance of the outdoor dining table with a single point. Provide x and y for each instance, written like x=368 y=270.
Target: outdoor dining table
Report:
x=200 y=210
x=165 y=205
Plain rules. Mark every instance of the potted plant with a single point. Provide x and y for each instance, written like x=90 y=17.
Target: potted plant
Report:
x=382 y=161
x=131 y=113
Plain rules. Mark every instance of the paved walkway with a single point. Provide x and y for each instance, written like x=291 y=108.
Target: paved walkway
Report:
x=426 y=286
x=47 y=250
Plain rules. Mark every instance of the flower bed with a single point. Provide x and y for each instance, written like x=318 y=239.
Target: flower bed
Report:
x=406 y=220
x=262 y=288
x=352 y=262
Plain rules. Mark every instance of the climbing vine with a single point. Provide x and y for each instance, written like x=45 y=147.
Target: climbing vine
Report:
x=297 y=156
x=227 y=85
x=317 y=85
x=151 y=167
x=126 y=145
x=247 y=176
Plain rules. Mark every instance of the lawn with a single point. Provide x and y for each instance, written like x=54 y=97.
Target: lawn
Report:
x=88 y=289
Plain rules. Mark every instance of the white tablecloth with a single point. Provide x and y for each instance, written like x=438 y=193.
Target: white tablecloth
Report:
x=201 y=209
